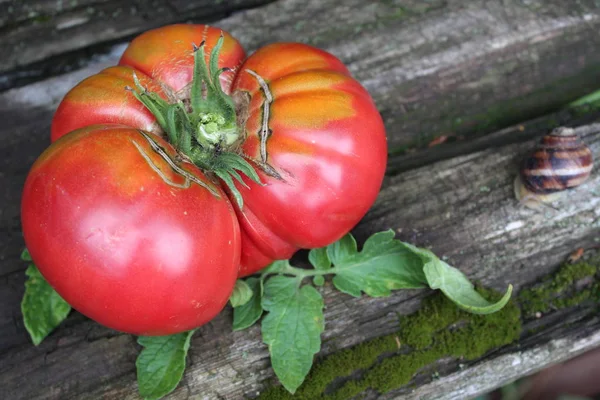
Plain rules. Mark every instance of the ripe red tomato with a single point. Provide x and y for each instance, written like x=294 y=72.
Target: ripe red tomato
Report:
x=310 y=130
x=124 y=237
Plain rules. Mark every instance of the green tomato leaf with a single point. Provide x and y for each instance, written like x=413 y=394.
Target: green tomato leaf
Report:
x=292 y=329
x=319 y=259
x=242 y=293
x=384 y=264
x=25 y=256
x=456 y=287
x=161 y=363
x=342 y=249
x=246 y=315
x=43 y=309
x=591 y=98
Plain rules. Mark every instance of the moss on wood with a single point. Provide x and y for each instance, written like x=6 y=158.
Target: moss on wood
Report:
x=560 y=290
x=439 y=329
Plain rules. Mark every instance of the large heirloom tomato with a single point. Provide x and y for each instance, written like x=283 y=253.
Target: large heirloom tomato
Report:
x=185 y=167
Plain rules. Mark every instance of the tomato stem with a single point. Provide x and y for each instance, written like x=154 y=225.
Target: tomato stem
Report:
x=305 y=273
x=213 y=111
x=205 y=129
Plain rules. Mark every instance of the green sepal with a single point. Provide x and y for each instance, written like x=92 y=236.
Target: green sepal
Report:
x=237 y=162
x=172 y=128
x=153 y=102
x=206 y=93
x=214 y=61
x=226 y=178
x=457 y=287
x=200 y=81
x=226 y=165
x=238 y=178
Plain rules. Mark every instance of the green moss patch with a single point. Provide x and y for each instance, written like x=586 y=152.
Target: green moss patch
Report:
x=559 y=290
x=439 y=329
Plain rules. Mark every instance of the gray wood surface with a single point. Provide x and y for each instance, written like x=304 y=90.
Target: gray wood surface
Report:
x=441 y=67
x=41 y=37
x=425 y=68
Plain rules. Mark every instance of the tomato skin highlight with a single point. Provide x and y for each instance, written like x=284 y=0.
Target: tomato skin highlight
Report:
x=327 y=142
x=124 y=245
x=103 y=99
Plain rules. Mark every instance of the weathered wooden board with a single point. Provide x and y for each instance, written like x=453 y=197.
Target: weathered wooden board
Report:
x=424 y=72
x=42 y=37
x=442 y=67
x=462 y=208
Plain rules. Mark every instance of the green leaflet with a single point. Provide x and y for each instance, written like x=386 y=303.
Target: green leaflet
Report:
x=292 y=328
x=456 y=286
x=344 y=248
x=247 y=314
x=318 y=280
x=384 y=264
x=591 y=98
x=242 y=293
x=161 y=363
x=25 y=256
x=319 y=259
x=43 y=309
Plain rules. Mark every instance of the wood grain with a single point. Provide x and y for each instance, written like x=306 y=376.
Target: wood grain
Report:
x=436 y=68
x=425 y=67
x=42 y=37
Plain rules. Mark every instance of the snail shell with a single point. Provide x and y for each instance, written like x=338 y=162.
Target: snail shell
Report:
x=560 y=162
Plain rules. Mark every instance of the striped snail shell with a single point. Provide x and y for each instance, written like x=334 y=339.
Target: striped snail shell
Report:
x=560 y=162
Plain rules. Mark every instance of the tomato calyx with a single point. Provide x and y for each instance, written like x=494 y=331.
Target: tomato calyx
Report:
x=204 y=128
x=214 y=110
